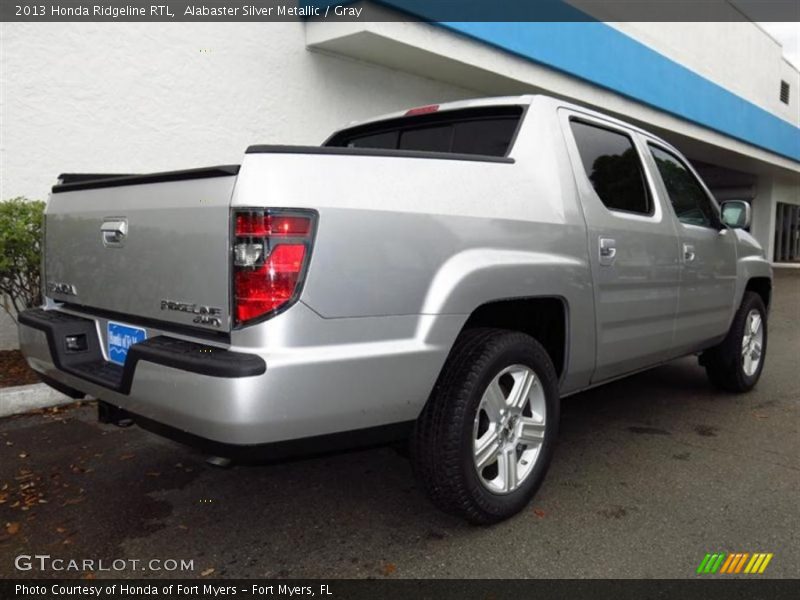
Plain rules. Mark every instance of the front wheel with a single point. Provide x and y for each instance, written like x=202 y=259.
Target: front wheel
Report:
x=482 y=445
x=736 y=363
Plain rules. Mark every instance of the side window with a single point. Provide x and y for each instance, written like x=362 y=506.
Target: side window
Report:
x=690 y=201
x=613 y=166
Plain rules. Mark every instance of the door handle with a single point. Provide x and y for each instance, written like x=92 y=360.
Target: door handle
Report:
x=688 y=253
x=608 y=251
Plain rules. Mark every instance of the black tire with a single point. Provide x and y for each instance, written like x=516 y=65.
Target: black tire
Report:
x=441 y=445
x=724 y=362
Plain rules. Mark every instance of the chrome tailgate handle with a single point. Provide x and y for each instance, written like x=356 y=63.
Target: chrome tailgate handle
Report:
x=114 y=231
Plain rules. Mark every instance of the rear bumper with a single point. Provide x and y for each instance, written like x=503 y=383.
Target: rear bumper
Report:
x=296 y=377
x=197 y=388
x=90 y=364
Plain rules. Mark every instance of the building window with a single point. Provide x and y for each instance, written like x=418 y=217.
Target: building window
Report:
x=784 y=92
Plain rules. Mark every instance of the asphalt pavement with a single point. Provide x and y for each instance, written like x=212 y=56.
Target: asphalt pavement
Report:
x=650 y=474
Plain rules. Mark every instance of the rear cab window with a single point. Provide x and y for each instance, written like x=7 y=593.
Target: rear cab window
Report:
x=613 y=166
x=484 y=131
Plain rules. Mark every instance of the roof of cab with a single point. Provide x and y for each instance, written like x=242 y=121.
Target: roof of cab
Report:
x=521 y=100
x=448 y=106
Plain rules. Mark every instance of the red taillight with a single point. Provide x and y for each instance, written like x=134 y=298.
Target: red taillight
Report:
x=260 y=224
x=422 y=110
x=278 y=225
x=254 y=223
x=271 y=251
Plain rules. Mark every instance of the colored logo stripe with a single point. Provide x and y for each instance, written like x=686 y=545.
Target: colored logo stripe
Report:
x=711 y=563
x=734 y=563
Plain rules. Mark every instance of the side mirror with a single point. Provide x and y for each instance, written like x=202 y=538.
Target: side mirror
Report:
x=736 y=214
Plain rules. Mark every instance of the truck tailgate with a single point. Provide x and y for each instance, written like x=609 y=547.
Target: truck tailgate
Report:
x=154 y=246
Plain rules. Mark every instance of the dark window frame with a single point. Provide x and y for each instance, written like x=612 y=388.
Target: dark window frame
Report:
x=460 y=115
x=649 y=195
x=716 y=220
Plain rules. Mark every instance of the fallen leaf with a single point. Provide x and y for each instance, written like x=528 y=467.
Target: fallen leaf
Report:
x=539 y=513
x=23 y=455
x=207 y=572
x=12 y=528
x=126 y=456
x=184 y=527
x=389 y=568
x=60 y=530
x=67 y=542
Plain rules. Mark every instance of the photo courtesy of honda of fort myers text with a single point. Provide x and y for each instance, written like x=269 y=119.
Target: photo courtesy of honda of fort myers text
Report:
x=399 y=299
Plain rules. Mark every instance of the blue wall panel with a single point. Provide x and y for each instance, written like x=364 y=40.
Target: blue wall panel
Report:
x=599 y=54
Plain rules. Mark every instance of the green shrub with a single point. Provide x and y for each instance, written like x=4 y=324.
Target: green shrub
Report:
x=21 y=231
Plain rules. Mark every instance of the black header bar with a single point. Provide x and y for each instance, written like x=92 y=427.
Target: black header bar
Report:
x=399 y=10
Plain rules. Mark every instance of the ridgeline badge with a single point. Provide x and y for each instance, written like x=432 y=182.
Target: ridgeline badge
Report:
x=203 y=315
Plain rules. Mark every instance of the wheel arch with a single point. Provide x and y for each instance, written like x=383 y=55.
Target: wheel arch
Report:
x=545 y=318
x=507 y=289
x=761 y=286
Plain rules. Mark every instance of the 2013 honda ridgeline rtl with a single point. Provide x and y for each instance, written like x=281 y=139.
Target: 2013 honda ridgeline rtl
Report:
x=446 y=273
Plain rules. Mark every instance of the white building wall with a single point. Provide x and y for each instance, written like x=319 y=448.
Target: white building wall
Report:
x=763 y=224
x=8 y=332
x=124 y=97
x=739 y=56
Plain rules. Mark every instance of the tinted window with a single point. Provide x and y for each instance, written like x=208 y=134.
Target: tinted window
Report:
x=387 y=139
x=612 y=165
x=688 y=198
x=437 y=138
x=487 y=136
x=485 y=131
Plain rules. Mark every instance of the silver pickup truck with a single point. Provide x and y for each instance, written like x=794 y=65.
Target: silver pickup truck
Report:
x=443 y=275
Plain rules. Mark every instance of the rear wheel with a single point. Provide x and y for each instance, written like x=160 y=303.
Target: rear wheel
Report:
x=736 y=363
x=482 y=445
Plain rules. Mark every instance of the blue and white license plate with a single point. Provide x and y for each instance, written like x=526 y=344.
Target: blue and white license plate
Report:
x=119 y=339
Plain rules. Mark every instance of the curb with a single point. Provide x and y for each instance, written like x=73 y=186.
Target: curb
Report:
x=23 y=398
